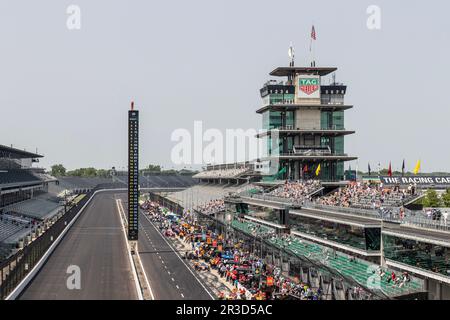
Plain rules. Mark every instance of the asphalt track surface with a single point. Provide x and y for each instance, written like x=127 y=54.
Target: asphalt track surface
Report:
x=169 y=276
x=96 y=244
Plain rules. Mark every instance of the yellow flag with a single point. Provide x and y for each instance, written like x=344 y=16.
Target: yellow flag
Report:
x=417 y=167
x=318 y=170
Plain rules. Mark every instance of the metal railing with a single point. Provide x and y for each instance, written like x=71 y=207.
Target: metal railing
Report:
x=15 y=268
x=292 y=127
x=347 y=210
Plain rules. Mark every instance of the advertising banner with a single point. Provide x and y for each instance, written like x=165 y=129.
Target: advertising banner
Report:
x=418 y=180
x=308 y=87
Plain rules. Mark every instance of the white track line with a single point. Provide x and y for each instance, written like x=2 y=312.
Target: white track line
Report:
x=25 y=281
x=176 y=253
x=133 y=267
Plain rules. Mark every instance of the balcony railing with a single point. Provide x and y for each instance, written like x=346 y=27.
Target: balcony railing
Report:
x=291 y=127
x=311 y=153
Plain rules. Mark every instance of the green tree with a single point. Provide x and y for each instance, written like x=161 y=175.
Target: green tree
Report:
x=103 y=173
x=154 y=168
x=431 y=200
x=58 y=170
x=83 y=172
x=446 y=198
x=90 y=172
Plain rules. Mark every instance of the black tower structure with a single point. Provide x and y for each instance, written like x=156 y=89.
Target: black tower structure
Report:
x=133 y=173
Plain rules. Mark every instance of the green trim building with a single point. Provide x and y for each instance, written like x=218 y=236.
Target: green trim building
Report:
x=303 y=122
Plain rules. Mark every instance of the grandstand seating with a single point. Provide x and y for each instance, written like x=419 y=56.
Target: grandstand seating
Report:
x=44 y=176
x=5 y=251
x=8 y=164
x=145 y=181
x=166 y=181
x=16 y=176
x=201 y=193
x=296 y=190
x=358 y=270
x=364 y=196
x=71 y=183
x=10 y=226
x=212 y=207
x=222 y=173
x=37 y=208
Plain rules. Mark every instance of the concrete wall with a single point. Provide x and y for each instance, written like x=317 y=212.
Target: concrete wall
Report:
x=437 y=290
x=307 y=119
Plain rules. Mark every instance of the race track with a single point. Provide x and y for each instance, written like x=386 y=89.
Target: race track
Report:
x=96 y=244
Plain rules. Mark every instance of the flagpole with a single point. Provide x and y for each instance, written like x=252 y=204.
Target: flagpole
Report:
x=313 y=37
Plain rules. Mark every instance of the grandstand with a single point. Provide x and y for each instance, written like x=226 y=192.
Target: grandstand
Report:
x=19 y=181
x=73 y=184
x=69 y=184
x=38 y=208
x=11 y=227
x=168 y=181
x=200 y=194
x=308 y=119
x=24 y=198
x=297 y=191
x=17 y=177
x=366 y=196
x=364 y=222
x=222 y=173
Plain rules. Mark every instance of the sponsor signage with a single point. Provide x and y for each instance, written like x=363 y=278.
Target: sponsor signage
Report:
x=133 y=174
x=308 y=87
x=419 y=180
x=269 y=281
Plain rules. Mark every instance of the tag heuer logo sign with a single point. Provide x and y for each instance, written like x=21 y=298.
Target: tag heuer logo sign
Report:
x=309 y=85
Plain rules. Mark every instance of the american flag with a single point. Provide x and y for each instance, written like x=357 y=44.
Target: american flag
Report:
x=313 y=33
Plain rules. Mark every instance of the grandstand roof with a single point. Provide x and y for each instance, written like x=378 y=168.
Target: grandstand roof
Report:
x=338 y=218
x=342 y=263
x=330 y=132
x=286 y=71
x=437 y=237
x=9 y=152
x=293 y=156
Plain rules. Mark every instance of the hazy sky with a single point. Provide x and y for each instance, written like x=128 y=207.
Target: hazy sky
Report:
x=67 y=92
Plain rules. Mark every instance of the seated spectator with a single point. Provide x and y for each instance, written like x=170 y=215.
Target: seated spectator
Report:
x=212 y=207
x=366 y=196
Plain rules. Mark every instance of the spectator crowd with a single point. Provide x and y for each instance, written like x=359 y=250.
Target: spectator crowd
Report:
x=212 y=207
x=298 y=190
x=366 y=196
x=248 y=276
x=222 y=173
